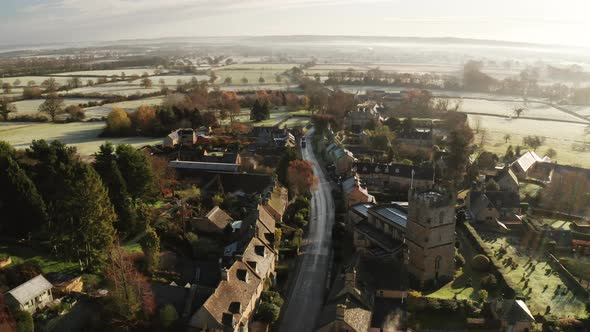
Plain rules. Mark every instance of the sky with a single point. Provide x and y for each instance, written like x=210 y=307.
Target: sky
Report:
x=537 y=21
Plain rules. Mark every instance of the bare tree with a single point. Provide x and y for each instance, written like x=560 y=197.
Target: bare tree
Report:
x=507 y=138
x=518 y=111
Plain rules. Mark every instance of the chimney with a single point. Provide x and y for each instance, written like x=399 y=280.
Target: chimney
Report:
x=224 y=274
x=340 y=309
x=350 y=278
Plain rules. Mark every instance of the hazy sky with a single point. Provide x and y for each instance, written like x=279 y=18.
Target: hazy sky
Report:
x=539 y=21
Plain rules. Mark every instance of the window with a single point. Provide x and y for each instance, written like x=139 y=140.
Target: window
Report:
x=437 y=261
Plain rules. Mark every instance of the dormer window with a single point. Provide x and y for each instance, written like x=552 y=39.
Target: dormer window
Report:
x=260 y=251
x=235 y=307
x=242 y=275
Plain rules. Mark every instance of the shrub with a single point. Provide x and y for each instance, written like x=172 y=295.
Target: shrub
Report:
x=168 y=315
x=459 y=260
x=482 y=294
x=489 y=282
x=480 y=263
x=268 y=312
x=24 y=321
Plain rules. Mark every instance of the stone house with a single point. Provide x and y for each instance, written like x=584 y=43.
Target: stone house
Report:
x=183 y=137
x=495 y=208
x=32 y=295
x=394 y=177
x=354 y=192
x=365 y=114
x=277 y=201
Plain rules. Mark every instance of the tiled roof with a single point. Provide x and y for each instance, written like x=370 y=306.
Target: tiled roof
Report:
x=30 y=289
x=399 y=170
x=237 y=289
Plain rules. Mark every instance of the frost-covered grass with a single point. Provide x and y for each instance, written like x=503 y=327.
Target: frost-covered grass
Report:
x=83 y=135
x=24 y=80
x=559 y=136
x=113 y=89
x=127 y=71
x=131 y=105
x=252 y=72
x=31 y=106
x=506 y=109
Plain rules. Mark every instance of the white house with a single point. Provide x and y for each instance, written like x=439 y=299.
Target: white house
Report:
x=32 y=295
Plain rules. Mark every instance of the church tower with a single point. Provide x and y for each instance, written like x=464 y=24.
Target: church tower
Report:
x=430 y=236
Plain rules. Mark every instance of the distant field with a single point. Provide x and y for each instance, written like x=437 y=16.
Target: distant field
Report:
x=83 y=135
x=31 y=106
x=24 y=80
x=104 y=110
x=127 y=71
x=559 y=136
x=506 y=108
x=252 y=72
x=108 y=89
x=583 y=110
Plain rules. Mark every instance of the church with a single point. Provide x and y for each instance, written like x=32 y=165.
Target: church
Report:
x=420 y=233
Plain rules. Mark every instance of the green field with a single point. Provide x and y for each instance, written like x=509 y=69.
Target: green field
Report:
x=296 y=121
x=83 y=135
x=558 y=135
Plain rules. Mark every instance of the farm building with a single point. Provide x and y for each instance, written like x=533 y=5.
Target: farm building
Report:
x=525 y=163
x=32 y=295
x=184 y=137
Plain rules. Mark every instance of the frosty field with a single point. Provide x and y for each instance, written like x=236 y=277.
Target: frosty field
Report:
x=82 y=135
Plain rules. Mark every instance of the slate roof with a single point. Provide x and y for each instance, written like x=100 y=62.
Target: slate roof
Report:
x=499 y=199
x=528 y=159
x=219 y=217
x=391 y=213
x=362 y=209
x=378 y=236
x=30 y=289
x=399 y=170
x=516 y=311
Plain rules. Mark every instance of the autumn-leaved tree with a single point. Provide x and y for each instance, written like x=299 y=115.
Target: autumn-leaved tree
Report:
x=6 y=108
x=144 y=119
x=53 y=106
x=75 y=112
x=301 y=177
x=130 y=298
x=118 y=122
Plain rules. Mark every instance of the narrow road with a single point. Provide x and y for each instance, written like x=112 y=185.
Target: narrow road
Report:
x=305 y=302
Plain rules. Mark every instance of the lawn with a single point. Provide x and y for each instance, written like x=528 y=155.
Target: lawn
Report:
x=275 y=118
x=21 y=254
x=83 y=135
x=536 y=297
x=560 y=136
x=296 y=121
